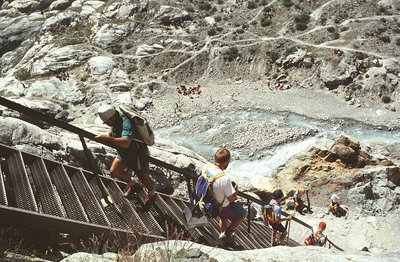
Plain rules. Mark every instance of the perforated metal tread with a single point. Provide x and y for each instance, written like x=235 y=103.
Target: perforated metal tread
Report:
x=3 y=193
x=92 y=206
x=21 y=186
x=68 y=195
x=48 y=197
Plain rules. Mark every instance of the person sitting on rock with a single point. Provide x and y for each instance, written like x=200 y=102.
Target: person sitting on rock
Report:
x=297 y=195
x=334 y=205
x=317 y=238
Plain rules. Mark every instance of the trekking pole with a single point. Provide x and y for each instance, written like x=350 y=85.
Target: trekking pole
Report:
x=288 y=232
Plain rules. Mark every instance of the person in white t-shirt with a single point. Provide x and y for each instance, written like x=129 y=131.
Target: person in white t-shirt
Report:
x=225 y=192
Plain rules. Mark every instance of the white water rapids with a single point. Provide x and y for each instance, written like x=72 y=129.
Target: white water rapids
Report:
x=254 y=168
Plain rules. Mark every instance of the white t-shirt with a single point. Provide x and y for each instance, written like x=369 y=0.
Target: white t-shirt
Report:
x=222 y=187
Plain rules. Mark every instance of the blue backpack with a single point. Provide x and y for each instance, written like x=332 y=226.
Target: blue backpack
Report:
x=202 y=199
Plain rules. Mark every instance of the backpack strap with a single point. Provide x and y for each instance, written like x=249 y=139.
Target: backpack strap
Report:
x=214 y=177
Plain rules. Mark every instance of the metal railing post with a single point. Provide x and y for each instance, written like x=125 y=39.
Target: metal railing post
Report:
x=248 y=215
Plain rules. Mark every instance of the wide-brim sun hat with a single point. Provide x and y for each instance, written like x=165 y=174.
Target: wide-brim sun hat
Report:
x=104 y=113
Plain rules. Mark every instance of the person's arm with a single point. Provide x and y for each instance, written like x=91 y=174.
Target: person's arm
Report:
x=232 y=197
x=123 y=142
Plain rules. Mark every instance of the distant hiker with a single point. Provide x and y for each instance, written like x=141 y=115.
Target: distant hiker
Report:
x=296 y=195
x=130 y=152
x=276 y=225
x=334 y=205
x=225 y=193
x=317 y=238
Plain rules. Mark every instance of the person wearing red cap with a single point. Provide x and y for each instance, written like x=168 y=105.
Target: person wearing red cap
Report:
x=317 y=238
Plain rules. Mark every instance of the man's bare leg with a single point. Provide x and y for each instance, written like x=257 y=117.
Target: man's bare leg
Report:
x=117 y=170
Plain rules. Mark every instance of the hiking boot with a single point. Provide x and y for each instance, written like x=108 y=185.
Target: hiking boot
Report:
x=149 y=200
x=132 y=187
x=230 y=235
x=222 y=236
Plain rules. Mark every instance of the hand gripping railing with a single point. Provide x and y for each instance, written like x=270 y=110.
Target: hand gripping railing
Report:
x=189 y=174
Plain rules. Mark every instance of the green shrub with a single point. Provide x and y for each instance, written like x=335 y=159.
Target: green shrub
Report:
x=386 y=99
x=251 y=5
x=398 y=41
x=128 y=46
x=274 y=56
x=335 y=35
x=290 y=50
x=231 y=53
x=193 y=39
x=302 y=21
x=254 y=22
x=396 y=30
x=301 y=26
x=323 y=20
x=189 y=9
x=205 y=6
x=381 y=30
x=217 y=18
x=212 y=31
x=287 y=3
x=116 y=49
x=264 y=2
x=240 y=31
x=381 y=10
x=267 y=9
x=265 y=22
x=131 y=68
x=344 y=28
x=219 y=29
x=22 y=75
x=331 y=29
x=253 y=50
x=385 y=39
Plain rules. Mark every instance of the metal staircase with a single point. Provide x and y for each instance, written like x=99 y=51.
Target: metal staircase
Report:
x=46 y=194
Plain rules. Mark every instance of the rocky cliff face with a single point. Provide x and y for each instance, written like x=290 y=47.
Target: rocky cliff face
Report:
x=62 y=51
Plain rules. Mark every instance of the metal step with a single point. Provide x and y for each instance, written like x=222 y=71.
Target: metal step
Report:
x=128 y=211
x=45 y=189
x=21 y=186
x=113 y=212
x=68 y=195
x=147 y=217
x=92 y=206
x=3 y=193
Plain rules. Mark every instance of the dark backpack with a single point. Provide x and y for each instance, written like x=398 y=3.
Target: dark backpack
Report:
x=139 y=124
x=202 y=199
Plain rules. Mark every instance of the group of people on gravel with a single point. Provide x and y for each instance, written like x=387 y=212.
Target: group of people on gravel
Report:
x=131 y=155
